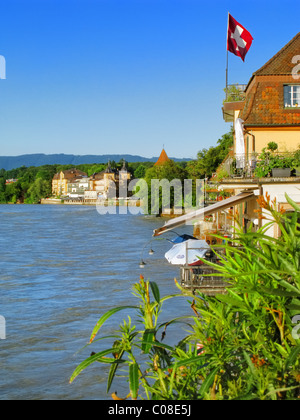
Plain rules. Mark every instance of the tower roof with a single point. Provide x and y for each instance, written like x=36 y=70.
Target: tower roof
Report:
x=163 y=158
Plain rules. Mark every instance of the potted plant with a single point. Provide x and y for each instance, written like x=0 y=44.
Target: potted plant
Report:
x=263 y=168
x=296 y=162
x=272 y=164
x=281 y=166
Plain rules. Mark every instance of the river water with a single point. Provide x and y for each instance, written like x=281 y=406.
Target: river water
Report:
x=61 y=268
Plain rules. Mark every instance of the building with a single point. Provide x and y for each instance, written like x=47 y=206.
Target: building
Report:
x=77 y=188
x=266 y=121
x=101 y=181
x=76 y=184
x=267 y=135
x=61 y=180
x=271 y=109
x=108 y=182
x=163 y=158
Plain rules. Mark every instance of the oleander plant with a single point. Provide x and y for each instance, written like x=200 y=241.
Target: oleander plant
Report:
x=241 y=345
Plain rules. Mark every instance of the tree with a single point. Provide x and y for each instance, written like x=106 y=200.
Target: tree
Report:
x=38 y=190
x=166 y=173
x=208 y=160
x=140 y=171
x=242 y=345
x=13 y=192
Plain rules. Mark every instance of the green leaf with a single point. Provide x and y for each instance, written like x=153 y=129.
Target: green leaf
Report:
x=231 y=301
x=90 y=360
x=148 y=337
x=294 y=307
x=105 y=317
x=113 y=370
x=134 y=380
x=118 y=360
x=278 y=292
x=281 y=350
x=292 y=357
x=157 y=344
x=155 y=291
x=292 y=203
x=185 y=362
x=208 y=382
x=250 y=364
x=276 y=391
x=289 y=287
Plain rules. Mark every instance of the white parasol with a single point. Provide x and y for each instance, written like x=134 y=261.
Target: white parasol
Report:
x=187 y=252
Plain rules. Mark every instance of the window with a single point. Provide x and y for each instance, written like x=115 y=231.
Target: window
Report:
x=291 y=96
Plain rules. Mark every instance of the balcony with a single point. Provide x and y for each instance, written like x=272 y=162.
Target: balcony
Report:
x=264 y=165
x=235 y=93
x=204 y=278
x=234 y=101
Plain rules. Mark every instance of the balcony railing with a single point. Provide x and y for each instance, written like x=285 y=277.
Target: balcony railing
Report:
x=275 y=165
x=235 y=93
x=204 y=277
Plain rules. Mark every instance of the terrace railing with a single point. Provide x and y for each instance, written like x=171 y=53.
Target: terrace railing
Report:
x=203 y=277
x=262 y=166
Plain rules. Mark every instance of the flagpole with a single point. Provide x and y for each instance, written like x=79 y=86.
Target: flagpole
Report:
x=227 y=58
x=227 y=76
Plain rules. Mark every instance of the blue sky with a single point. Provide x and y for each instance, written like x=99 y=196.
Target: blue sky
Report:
x=126 y=76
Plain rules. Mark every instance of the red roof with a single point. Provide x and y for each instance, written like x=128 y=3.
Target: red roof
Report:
x=163 y=158
x=264 y=104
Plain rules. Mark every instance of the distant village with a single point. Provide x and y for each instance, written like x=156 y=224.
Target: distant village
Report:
x=74 y=186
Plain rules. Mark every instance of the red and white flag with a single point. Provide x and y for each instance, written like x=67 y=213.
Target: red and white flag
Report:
x=239 y=40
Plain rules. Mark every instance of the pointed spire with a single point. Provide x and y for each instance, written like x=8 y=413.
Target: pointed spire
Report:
x=163 y=158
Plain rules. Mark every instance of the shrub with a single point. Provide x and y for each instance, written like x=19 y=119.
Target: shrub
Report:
x=238 y=346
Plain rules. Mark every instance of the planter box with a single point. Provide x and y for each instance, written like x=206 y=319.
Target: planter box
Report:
x=281 y=173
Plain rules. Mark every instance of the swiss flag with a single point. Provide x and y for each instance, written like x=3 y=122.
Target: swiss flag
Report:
x=239 y=40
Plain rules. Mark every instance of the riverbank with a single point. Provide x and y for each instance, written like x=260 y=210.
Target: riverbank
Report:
x=122 y=202
x=83 y=202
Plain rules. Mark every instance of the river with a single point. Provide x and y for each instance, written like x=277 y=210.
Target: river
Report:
x=61 y=268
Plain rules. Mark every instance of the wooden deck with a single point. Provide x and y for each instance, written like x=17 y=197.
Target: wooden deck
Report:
x=202 y=278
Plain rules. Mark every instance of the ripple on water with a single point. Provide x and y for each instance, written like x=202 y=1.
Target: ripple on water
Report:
x=61 y=268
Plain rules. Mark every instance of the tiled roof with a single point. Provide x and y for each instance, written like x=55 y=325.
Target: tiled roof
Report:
x=281 y=63
x=265 y=106
x=73 y=174
x=163 y=158
x=70 y=174
x=264 y=103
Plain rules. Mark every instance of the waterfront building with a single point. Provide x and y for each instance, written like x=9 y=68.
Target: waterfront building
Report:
x=61 y=180
x=266 y=119
x=266 y=153
x=77 y=188
x=107 y=182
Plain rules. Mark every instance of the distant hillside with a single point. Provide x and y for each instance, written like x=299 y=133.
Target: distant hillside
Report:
x=13 y=162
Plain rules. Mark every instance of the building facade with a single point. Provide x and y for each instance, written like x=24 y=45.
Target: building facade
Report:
x=76 y=184
x=61 y=180
x=266 y=153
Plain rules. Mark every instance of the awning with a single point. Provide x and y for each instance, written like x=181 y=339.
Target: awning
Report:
x=205 y=211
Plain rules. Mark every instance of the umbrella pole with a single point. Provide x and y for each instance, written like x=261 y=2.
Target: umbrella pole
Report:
x=186 y=253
